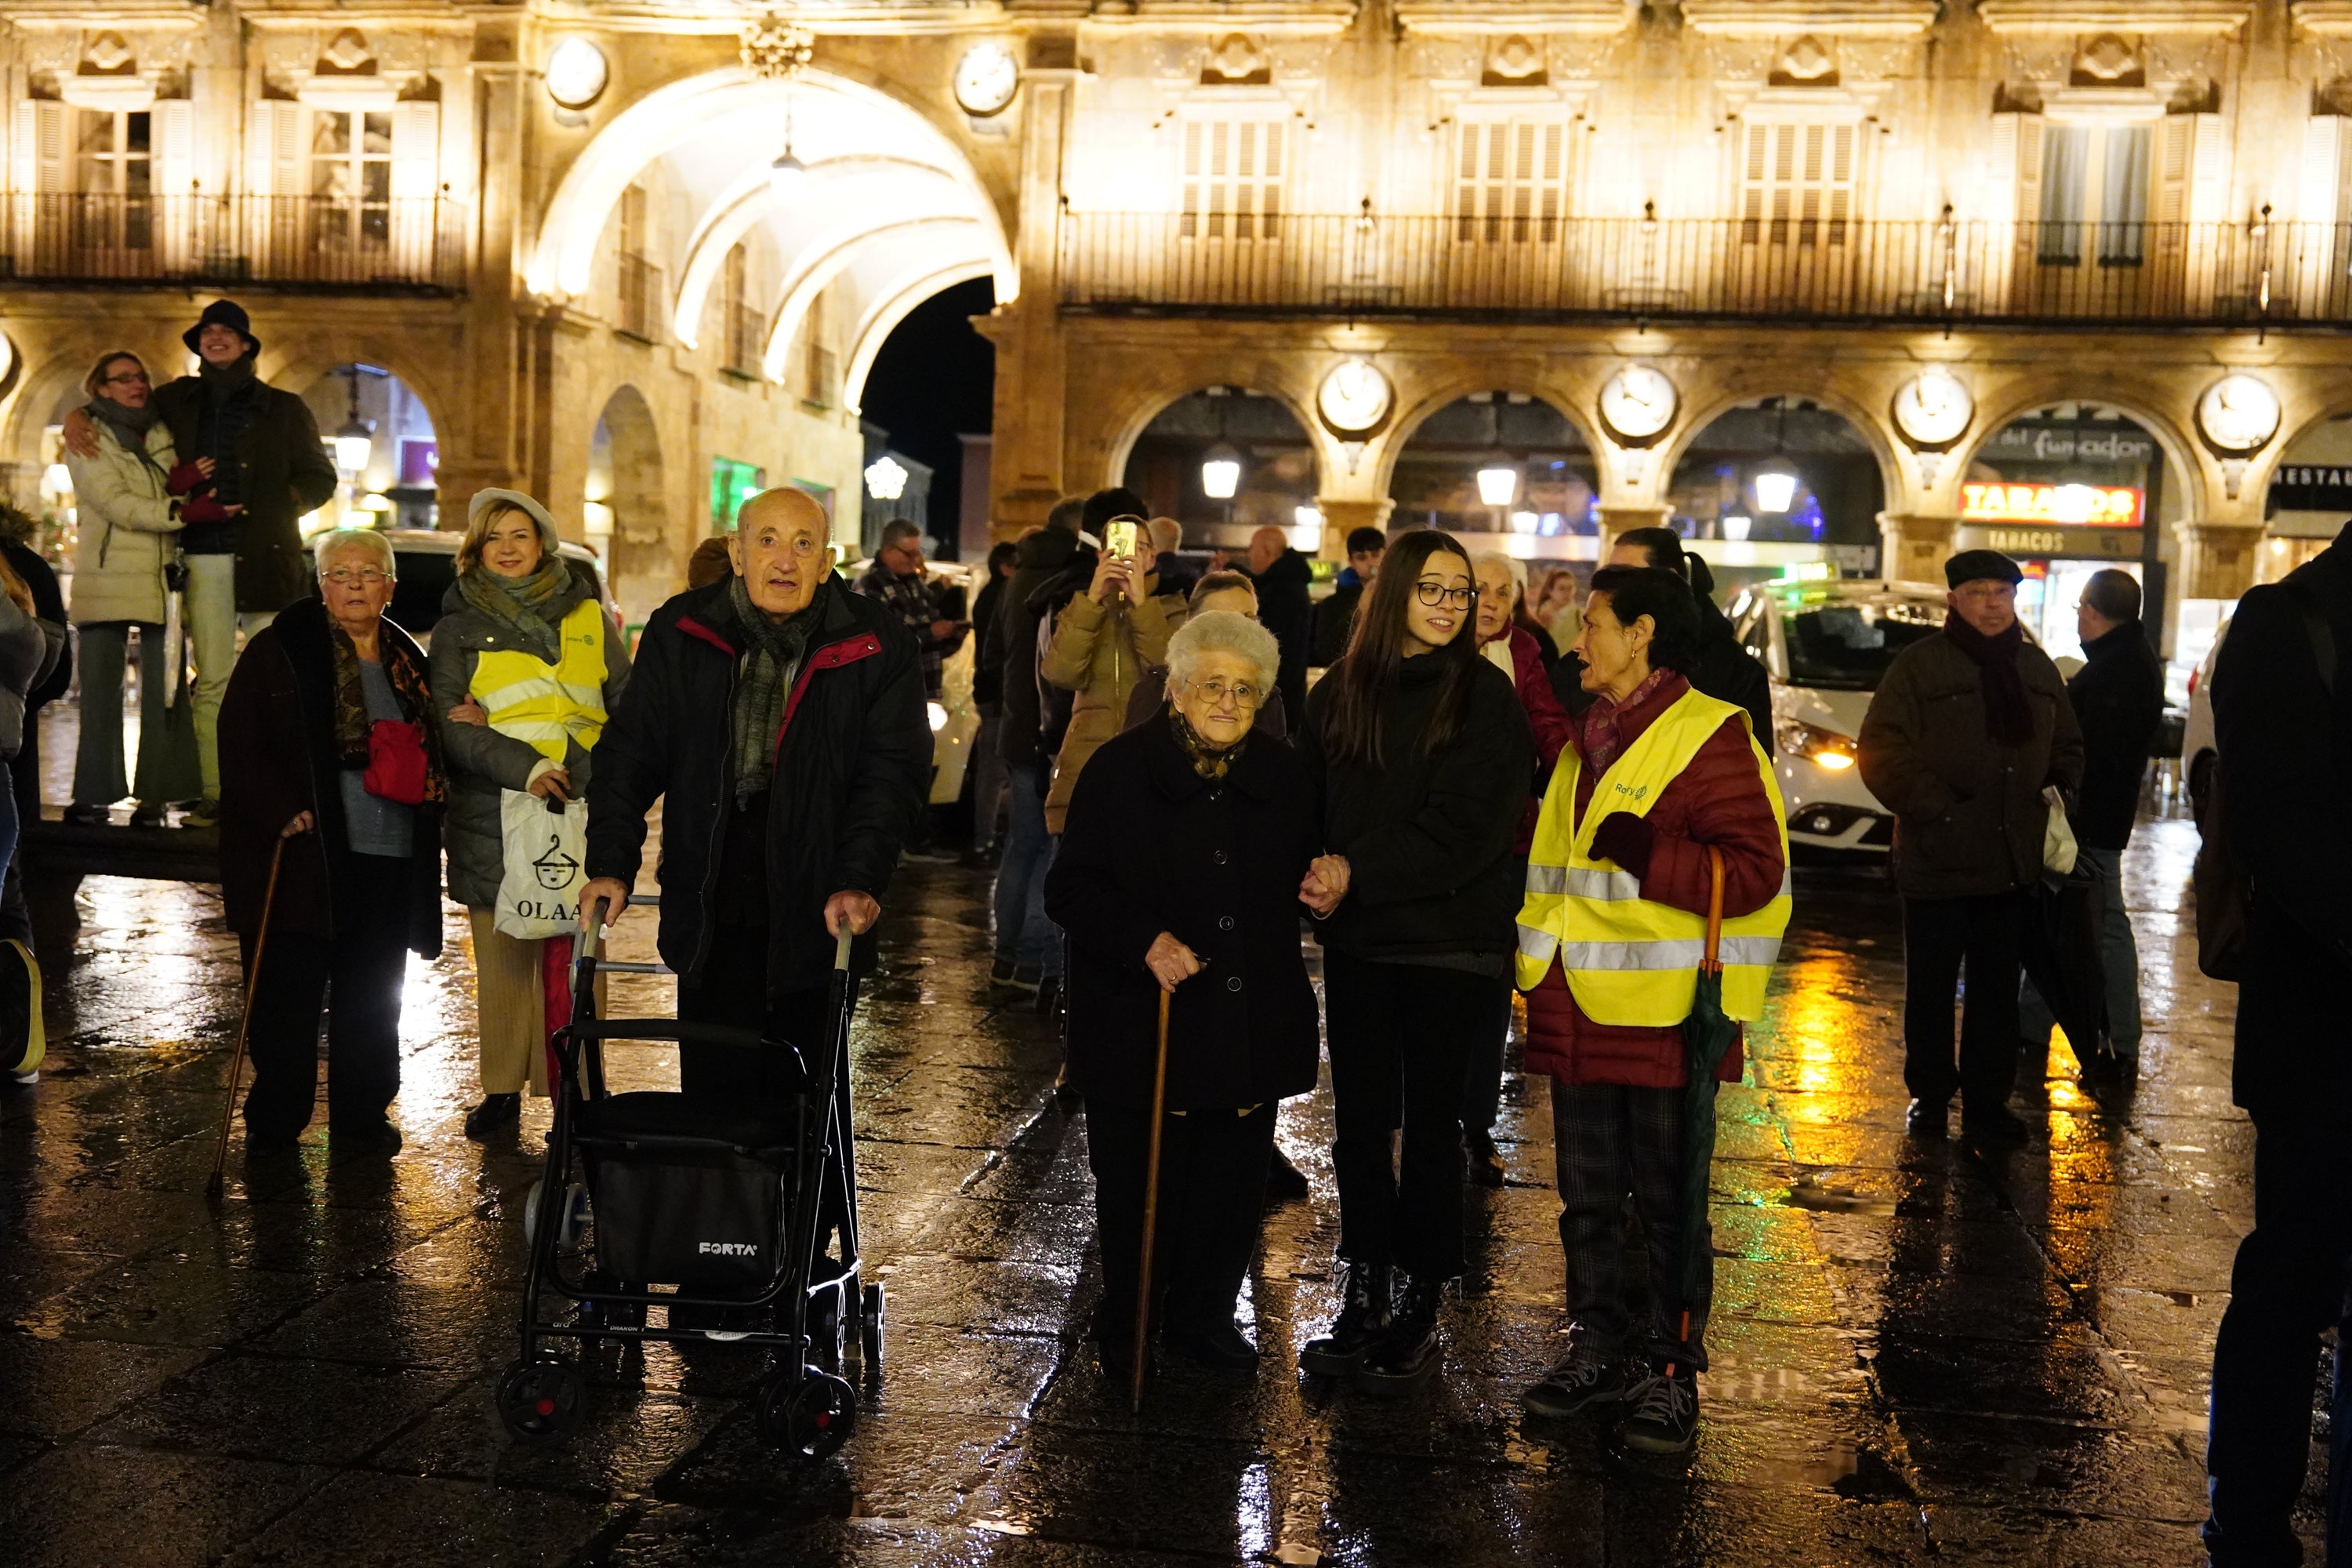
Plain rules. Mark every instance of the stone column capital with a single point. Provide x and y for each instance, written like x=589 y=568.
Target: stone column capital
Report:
x=2217 y=559
x=1616 y=520
x=1342 y=515
x=1914 y=546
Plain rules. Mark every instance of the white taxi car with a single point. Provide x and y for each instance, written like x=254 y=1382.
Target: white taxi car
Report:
x=1825 y=645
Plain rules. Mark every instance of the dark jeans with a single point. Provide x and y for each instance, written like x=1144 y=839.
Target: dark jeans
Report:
x=1399 y=1036
x=1986 y=934
x=1609 y=1140
x=357 y=975
x=1211 y=1189
x=1023 y=935
x=1482 y=1083
x=98 y=759
x=2288 y=1287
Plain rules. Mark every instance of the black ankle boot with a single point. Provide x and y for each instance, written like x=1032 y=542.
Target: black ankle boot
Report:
x=1363 y=1318
x=1411 y=1350
x=495 y=1110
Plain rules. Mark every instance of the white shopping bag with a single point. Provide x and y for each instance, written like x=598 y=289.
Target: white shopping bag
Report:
x=539 y=896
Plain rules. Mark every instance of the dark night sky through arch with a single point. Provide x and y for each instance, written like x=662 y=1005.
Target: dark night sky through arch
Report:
x=935 y=379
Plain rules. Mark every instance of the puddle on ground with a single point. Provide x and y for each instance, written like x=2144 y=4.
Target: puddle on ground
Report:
x=1811 y=1193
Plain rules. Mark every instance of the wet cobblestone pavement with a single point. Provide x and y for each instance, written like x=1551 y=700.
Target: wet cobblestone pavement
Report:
x=1918 y=1353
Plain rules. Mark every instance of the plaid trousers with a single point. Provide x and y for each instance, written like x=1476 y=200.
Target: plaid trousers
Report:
x=1607 y=1140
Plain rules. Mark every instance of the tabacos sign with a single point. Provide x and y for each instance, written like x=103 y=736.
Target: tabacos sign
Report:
x=2056 y=505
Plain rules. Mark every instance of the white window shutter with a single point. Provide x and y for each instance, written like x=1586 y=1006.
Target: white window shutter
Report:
x=2321 y=188
x=273 y=187
x=415 y=182
x=2176 y=151
x=179 y=208
x=2209 y=184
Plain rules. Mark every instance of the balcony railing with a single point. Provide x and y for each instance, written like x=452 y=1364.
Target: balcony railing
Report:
x=1369 y=265
x=316 y=242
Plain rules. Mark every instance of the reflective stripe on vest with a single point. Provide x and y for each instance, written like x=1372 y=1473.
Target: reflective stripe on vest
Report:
x=1627 y=960
x=548 y=706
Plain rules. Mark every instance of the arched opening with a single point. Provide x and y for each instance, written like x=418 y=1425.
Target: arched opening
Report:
x=380 y=438
x=2069 y=490
x=926 y=406
x=627 y=521
x=1226 y=461
x=2309 y=498
x=1775 y=483
x=1500 y=462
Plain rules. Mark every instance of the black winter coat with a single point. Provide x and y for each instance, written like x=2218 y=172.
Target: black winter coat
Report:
x=2118 y=697
x=1428 y=838
x=2285 y=749
x=1286 y=609
x=1219 y=870
x=1044 y=556
x=987 y=669
x=282 y=473
x=1334 y=619
x=852 y=766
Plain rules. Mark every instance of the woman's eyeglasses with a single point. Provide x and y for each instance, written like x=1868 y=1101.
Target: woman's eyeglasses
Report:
x=136 y=377
x=1243 y=694
x=1433 y=595
x=355 y=577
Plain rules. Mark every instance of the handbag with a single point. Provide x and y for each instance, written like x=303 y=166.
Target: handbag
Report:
x=2058 y=846
x=396 y=764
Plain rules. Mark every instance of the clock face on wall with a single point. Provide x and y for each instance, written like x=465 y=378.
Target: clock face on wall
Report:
x=985 y=79
x=1934 y=408
x=1638 y=403
x=2238 y=412
x=1354 y=398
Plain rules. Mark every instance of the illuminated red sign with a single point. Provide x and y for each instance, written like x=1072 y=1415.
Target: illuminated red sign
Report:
x=2068 y=506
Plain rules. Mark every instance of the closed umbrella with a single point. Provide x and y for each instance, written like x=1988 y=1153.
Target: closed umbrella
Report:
x=1708 y=1034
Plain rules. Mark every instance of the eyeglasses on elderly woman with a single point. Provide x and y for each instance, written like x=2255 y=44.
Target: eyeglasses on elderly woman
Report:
x=1215 y=693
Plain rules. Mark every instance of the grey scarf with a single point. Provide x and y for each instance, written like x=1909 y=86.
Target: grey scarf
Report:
x=523 y=602
x=772 y=662
x=130 y=426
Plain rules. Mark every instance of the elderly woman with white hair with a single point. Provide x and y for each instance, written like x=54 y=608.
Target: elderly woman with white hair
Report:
x=527 y=663
x=1189 y=858
x=331 y=770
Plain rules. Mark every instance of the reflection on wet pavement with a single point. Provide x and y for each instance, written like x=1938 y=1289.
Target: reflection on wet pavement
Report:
x=1918 y=1353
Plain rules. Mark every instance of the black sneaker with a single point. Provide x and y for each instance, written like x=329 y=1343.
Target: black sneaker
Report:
x=148 y=813
x=83 y=814
x=1411 y=1350
x=1663 y=1413
x=1928 y=1118
x=1486 y=1160
x=1364 y=1317
x=495 y=1110
x=1588 y=1377
x=379 y=1138
x=1221 y=1347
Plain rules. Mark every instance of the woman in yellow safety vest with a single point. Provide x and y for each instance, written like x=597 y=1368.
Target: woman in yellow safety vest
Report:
x=526 y=663
x=1657 y=781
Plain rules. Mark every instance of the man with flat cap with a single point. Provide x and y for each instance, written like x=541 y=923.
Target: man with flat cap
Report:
x=778 y=718
x=1967 y=729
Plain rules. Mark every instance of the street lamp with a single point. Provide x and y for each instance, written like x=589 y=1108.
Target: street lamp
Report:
x=1775 y=490
x=1735 y=526
x=1221 y=472
x=886 y=478
x=787 y=175
x=354 y=443
x=1498 y=483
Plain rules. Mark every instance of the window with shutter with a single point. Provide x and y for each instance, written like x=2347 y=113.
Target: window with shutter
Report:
x=740 y=324
x=1232 y=178
x=637 y=280
x=114 y=183
x=1510 y=180
x=1796 y=183
x=2094 y=194
x=349 y=179
x=819 y=374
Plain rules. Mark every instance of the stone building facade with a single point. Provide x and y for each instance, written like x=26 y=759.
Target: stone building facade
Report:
x=623 y=251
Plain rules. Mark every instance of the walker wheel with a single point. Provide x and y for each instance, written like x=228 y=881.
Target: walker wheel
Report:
x=869 y=1330
x=542 y=1402
x=809 y=1418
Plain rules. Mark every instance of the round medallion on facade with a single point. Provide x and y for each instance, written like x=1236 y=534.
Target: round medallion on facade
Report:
x=986 y=79
x=2238 y=412
x=1638 y=403
x=1355 y=397
x=576 y=73
x=1933 y=409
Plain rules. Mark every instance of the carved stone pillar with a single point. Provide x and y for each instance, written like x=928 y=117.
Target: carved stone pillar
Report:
x=2216 y=560
x=1032 y=359
x=1622 y=520
x=1914 y=546
x=1342 y=517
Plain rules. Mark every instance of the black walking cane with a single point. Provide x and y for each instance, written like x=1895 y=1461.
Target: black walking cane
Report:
x=245 y=1022
x=1150 y=1210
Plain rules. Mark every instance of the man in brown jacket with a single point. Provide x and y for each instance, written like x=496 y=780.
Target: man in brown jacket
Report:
x=1965 y=730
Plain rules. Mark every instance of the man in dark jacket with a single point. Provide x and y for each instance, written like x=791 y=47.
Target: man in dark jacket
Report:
x=268 y=460
x=1284 y=608
x=1967 y=729
x=1335 y=617
x=2282 y=721
x=2118 y=700
x=988 y=699
x=778 y=718
x=1726 y=672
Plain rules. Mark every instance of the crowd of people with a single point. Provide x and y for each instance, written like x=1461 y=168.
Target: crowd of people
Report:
x=1496 y=795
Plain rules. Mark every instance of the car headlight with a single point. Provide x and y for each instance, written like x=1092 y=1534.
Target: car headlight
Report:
x=1824 y=748
x=939 y=717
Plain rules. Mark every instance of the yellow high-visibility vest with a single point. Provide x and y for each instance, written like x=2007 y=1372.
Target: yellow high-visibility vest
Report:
x=1629 y=961
x=546 y=704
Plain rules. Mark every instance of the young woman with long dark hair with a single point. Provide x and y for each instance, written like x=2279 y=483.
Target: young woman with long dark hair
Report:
x=1424 y=760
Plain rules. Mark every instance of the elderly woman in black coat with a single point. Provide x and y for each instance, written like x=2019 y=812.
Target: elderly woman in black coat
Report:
x=1189 y=858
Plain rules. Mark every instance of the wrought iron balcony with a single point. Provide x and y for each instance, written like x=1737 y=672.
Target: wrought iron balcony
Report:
x=322 y=243
x=1365 y=264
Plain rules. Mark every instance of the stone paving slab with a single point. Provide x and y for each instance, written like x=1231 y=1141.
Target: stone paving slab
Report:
x=1918 y=1353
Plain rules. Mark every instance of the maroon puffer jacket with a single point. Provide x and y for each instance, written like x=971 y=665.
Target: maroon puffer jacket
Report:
x=1719 y=801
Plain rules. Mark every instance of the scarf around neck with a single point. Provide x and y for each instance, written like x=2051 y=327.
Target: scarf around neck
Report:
x=226 y=380
x=771 y=663
x=130 y=426
x=2009 y=716
x=1597 y=729
x=522 y=601
x=1209 y=762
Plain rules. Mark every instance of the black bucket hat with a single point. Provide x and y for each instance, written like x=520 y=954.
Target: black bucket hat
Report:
x=223 y=313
